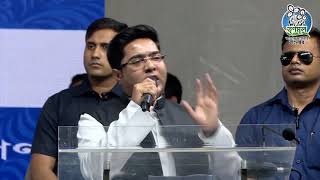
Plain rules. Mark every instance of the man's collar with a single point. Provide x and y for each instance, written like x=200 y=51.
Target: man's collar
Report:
x=317 y=96
x=160 y=103
x=118 y=91
x=282 y=97
x=83 y=89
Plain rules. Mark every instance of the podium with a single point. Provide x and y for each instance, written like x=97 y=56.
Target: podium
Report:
x=175 y=153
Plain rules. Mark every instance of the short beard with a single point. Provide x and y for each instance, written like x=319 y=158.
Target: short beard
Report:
x=101 y=78
x=296 y=84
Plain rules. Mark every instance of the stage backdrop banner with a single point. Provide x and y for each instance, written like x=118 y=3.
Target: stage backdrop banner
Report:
x=41 y=45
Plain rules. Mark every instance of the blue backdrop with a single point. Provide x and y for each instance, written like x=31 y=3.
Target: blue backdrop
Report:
x=18 y=121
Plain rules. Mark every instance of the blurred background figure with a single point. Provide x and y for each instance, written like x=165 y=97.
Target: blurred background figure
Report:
x=77 y=79
x=173 y=88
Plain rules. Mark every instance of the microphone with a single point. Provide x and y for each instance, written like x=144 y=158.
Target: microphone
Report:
x=296 y=114
x=147 y=97
x=288 y=134
x=267 y=169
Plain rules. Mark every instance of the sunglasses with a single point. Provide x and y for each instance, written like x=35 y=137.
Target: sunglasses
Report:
x=304 y=56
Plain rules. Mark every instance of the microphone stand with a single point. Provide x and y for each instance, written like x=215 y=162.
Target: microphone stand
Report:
x=266 y=169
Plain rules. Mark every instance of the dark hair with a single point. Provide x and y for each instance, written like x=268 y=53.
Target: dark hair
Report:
x=118 y=43
x=104 y=23
x=313 y=33
x=173 y=87
x=77 y=78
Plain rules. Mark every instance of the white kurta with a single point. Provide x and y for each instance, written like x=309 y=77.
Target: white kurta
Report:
x=129 y=130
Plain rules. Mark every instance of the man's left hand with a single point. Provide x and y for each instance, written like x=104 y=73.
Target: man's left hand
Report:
x=205 y=112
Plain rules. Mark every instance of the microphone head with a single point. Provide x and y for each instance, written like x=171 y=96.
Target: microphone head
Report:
x=288 y=134
x=155 y=79
x=147 y=98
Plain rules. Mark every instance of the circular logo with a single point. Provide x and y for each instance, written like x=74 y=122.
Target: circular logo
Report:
x=296 y=21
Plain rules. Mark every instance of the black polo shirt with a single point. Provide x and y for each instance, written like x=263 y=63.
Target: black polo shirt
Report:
x=65 y=108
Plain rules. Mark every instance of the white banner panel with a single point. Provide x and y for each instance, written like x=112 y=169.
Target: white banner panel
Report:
x=37 y=63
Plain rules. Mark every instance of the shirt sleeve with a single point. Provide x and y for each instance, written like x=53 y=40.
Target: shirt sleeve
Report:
x=131 y=128
x=222 y=137
x=225 y=164
x=45 y=138
x=91 y=134
x=246 y=135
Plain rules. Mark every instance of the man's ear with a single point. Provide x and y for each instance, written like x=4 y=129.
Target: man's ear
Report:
x=117 y=74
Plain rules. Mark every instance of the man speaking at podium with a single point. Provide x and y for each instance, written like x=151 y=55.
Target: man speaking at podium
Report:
x=136 y=57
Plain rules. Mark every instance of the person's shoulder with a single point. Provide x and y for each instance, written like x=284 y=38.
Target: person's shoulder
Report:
x=268 y=103
x=259 y=107
x=177 y=111
x=174 y=106
x=254 y=114
x=62 y=94
x=70 y=92
x=60 y=97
